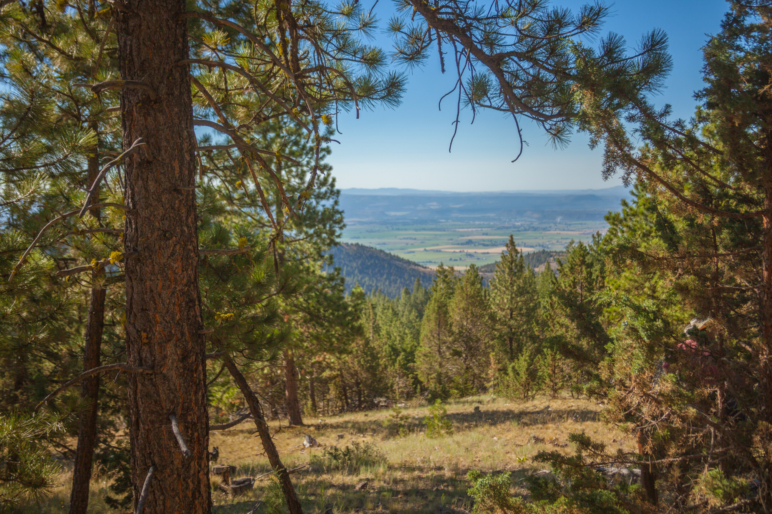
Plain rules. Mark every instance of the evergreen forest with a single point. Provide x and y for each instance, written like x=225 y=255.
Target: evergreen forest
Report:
x=176 y=338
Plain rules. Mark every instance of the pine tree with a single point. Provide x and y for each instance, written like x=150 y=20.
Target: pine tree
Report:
x=437 y=336
x=514 y=301
x=472 y=339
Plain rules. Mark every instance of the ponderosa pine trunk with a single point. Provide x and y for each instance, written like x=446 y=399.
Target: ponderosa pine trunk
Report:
x=265 y=436
x=87 y=431
x=291 y=399
x=164 y=326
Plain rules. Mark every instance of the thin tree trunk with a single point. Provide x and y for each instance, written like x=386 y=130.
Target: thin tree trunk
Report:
x=292 y=401
x=312 y=391
x=265 y=436
x=164 y=326
x=343 y=392
x=87 y=431
x=648 y=476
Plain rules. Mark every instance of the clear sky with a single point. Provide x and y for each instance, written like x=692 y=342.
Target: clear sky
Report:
x=407 y=147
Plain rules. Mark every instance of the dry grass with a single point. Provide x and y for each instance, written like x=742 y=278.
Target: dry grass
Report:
x=421 y=475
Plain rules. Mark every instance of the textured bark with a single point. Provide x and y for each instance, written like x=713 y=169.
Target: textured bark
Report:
x=265 y=437
x=291 y=399
x=87 y=431
x=163 y=313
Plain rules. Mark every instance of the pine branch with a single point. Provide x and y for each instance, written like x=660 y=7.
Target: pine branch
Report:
x=48 y=225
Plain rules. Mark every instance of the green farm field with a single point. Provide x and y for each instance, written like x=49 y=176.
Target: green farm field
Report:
x=460 y=244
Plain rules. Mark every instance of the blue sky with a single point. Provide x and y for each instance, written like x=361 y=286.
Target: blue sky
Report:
x=407 y=147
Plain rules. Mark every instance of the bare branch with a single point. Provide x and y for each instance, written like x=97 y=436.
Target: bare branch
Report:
x=93 y=371
x=82 y=269
x=145 y=490
x=119 y=84
x=232 y=251
x=139 y=142
x=230 y=424
x=178 y=435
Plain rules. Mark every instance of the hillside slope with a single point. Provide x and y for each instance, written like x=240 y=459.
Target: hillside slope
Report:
x=375 y=269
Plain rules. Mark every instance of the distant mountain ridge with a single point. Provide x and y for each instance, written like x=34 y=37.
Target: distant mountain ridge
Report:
x=410 y=206
x=373 y=269
x=396 y=191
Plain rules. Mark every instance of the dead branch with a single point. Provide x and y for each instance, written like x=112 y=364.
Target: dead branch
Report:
x=226 y=251
x=230 y=424
x=178 y=435
x=145 y=490
x=119 y=84
x=93 y=371
x=289 y=472
x=139 y=142
x=82 y=269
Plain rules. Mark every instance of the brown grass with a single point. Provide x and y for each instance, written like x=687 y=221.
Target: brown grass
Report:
x=421 y=475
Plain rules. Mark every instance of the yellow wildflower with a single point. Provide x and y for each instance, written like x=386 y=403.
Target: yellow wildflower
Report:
x=223 y=316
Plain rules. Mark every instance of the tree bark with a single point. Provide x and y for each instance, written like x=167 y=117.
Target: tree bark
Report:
x=265 y=436
x=291 y=399
x=87 y=431
x=164 y=326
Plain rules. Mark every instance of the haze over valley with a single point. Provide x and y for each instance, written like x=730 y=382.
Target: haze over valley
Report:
x=459 y=229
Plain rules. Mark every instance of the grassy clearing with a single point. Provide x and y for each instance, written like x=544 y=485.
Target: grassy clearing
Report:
x=418 y=475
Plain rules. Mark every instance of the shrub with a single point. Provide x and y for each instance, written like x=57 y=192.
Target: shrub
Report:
x=722 y=490
x=350 y=459
x=437 y=422
x=491 y=494
x=396 y=423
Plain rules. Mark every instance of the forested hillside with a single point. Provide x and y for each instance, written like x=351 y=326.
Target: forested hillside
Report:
x=373 y=269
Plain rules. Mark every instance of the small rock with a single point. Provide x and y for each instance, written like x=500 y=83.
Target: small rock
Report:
x=362 y=486
x=495 y=438
x=310 y=442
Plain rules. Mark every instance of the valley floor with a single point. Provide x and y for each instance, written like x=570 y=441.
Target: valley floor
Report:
x=420 y=475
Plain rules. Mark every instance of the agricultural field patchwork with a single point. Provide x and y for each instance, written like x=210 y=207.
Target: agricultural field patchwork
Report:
x=461 y=244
